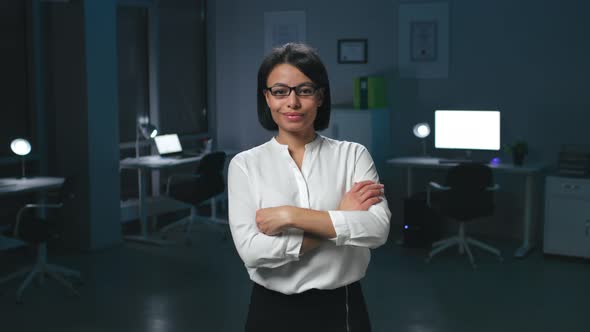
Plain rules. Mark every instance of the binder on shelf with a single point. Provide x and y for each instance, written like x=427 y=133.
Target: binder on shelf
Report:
x=369 y=92
x=574 y=160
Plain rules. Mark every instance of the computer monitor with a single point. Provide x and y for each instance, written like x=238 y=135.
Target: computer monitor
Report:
x=467 y=129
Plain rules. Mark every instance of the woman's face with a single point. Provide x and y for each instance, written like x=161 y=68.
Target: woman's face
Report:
x=293 y=110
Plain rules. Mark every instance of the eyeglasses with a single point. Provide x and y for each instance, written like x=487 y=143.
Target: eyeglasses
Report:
x=302 y=90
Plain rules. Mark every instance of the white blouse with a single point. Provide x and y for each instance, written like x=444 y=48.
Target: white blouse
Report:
x=267 y=176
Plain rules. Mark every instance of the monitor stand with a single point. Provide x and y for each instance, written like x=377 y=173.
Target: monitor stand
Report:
x=468 y=155
x=466 y=159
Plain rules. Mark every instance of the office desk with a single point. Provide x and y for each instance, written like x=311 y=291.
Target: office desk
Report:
x=15 y=186
x=528 y=171
x=145 y=165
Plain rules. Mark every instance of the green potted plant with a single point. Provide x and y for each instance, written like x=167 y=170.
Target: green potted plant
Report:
x=519 y=150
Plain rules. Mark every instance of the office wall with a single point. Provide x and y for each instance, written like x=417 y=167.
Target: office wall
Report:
x=527 y=58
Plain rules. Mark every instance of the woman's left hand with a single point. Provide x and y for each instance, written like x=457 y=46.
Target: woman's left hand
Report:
x=273 y=221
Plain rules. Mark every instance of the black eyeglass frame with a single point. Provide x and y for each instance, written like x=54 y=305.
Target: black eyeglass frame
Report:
x=294 y=88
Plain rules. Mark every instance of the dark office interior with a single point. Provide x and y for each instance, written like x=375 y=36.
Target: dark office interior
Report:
x=85 y=82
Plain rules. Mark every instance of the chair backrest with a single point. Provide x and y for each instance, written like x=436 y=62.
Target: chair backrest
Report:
x=212 y=163
x=208 y=183
x=468 y=197
x=35 y=228
x=469 y=176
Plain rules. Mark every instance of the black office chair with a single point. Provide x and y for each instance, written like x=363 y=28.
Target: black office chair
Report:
x=206 y=185
x=466 y=196
x=36 y=224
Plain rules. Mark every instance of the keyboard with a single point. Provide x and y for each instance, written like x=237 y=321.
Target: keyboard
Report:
x=183 y=155
x=180 y=156
x=454 y=161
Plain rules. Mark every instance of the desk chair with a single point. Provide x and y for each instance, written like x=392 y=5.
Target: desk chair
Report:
x=36 y=231
x=206 y=185
x=467 y=195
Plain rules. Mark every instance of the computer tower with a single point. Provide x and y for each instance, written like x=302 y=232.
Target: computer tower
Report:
x=422 y=225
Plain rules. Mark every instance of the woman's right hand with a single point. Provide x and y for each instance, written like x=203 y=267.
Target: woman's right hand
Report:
x=362 y=196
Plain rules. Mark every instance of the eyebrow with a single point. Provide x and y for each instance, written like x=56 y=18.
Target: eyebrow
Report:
x=283 y=84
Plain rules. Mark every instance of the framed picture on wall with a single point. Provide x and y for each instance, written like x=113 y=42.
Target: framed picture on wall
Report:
x=423 y=39
x=352 y=51
x=283 y=27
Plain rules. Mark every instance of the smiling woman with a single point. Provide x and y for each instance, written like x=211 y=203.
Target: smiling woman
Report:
x=293 y=113
x=304 y=209
x=301 y=61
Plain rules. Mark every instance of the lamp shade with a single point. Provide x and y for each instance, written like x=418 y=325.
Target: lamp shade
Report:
x=421 y=130
x=20 y=146
x=148 y=130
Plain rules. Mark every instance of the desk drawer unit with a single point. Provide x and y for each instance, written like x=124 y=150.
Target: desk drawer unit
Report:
x=567 y=216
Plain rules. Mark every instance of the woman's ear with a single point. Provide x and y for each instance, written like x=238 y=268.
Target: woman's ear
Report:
x=320 y=97
x=265 y=93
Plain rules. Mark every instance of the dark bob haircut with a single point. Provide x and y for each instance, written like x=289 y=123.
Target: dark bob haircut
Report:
x=304 y=58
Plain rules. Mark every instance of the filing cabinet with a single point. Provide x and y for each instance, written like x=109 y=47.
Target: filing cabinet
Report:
x=567 y=216
x=369 y=127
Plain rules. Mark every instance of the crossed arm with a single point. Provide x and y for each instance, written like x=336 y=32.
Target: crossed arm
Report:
x=317 y=225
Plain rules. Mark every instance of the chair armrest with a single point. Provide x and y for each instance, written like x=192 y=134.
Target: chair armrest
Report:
x=438 y=186
x=433 y=185
x=178 y=176
x=22 y=210
x=495 y=187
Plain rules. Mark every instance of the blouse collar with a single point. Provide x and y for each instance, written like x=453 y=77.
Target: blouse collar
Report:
x=308 y=147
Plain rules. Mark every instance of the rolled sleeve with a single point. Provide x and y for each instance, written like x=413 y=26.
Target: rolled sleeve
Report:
x=363 y=228
x=294 y=242
x=340 y=226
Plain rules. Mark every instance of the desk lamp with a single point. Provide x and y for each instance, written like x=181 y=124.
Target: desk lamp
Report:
x=21 y=147
x=422 y=130
x=145 y=130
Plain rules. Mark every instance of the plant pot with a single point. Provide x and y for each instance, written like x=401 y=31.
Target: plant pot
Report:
x=518 y=158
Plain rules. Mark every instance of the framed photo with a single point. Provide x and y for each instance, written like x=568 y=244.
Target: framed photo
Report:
x=423 y=39
x=352 y=51
x=283 y=27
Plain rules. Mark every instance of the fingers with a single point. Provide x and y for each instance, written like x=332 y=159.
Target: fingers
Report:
x=359 y=185
x=370 y=202
x=265 y=223
x=370 y=194
x=371 y=191
x=264 y=227
x=373 y=186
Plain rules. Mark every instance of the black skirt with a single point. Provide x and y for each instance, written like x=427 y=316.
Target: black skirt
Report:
x=338 y=310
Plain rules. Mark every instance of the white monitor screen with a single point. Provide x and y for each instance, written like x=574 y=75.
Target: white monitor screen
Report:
x=470 y=130
x=168 y=144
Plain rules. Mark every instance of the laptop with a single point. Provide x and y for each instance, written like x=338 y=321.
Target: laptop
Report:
x=168 y=146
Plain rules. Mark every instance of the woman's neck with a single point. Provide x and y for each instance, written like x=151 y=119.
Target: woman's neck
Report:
x=295 y=141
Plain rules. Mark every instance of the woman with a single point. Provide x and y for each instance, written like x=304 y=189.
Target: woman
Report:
x=304 y=210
